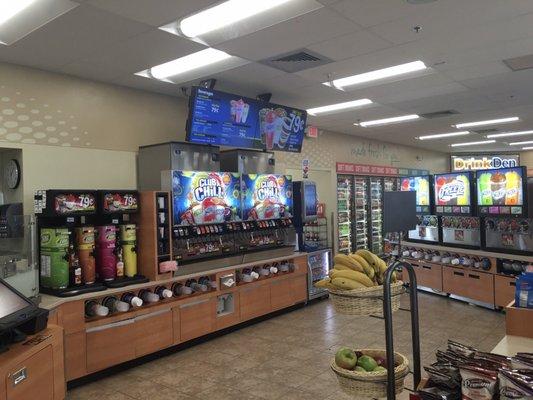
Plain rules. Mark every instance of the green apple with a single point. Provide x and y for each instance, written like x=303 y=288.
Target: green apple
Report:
x=346 y=358
x=367 y=362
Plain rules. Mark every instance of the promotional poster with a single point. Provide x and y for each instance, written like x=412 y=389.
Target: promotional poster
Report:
x=452 y=193
x=205 y=197
x=420 y=184
x=281 y=128
x=74 y=203
x=120 y=202
x=501 y=191
x=266 y=196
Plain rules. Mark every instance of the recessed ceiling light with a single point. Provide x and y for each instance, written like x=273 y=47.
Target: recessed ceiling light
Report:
x=224 y=14
x=377 y=74
x=339 y=106
x=472 y=143
x=8 y=9
x=520 y=143
x=505 y=134
x=386 y=121
x=185 y=64
x=487 y=122
x=443 y=135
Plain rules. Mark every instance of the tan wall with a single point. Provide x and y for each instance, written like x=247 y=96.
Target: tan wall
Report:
x=526 y=159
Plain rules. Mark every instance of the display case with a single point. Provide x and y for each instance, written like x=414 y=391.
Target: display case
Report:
x=376 y=215
x=319 y=264
x=344 y=213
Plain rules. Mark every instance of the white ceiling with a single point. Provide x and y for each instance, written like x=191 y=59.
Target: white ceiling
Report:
x=464 y=43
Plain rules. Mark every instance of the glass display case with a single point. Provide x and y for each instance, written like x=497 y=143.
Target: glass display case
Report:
x=344 y=213
x=318 y=264
x=18 y=265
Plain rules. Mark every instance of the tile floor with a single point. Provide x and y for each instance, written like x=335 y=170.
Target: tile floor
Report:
x=287 y=357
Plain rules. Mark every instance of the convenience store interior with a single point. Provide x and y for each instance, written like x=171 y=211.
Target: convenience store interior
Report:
x=184 y=185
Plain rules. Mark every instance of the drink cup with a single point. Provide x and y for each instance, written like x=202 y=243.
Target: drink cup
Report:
x=498 y=183
x=285 y=132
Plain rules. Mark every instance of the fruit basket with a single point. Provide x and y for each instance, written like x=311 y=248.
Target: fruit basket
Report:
x=371 y=384
x=365 y=301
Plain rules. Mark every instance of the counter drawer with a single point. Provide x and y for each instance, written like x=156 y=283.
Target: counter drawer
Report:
x=255 y=301
x=154 y=332
x=468 y=283
x=33 y=378
x=504 y=290
x=280 y=294
x=299 y=289
x=196 y=318
x=454 y=281
x=427 y=275
x=75 y=355
x=110 y=344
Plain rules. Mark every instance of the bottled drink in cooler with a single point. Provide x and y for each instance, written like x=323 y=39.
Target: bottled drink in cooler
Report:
x=93 y=309
x=115 y=305
x=133 y=300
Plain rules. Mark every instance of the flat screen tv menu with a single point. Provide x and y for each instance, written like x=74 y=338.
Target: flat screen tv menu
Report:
x=223 y=119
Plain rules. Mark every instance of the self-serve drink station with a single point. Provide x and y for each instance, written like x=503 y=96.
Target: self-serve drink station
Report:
x=87 y=240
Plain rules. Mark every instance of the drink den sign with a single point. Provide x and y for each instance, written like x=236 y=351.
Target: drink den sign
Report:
x=480 y=162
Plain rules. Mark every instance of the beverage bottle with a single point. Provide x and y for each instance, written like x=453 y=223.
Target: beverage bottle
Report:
x=484 y=189
x=512 y=188
x=74 y=266
x=115 y=305
x=93 y=309
x=163 y=292
x=148 y=296
x=132 y=299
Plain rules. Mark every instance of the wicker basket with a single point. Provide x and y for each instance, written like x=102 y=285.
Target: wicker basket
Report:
x=365 y=301
x=371 y=384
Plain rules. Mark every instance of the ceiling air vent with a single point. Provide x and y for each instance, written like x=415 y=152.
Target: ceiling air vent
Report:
x=520 y=63
x=297 y=60
x=439 y=114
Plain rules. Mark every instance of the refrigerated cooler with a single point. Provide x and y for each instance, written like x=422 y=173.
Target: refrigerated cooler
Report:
x=427 y=228
x=455 y=201
x=344 y=213
x=318 y=264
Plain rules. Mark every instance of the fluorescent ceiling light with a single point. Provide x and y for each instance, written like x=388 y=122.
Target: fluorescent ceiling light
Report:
x=225 y=14
x=385 y=121
x=488 y=122
x=527 y=148
x=520 y=143
x=378 y=74
x=505 y=134
x=472 y=143
x=8 y=9
x=187 y=63
x=443 y=135
x=339 y=106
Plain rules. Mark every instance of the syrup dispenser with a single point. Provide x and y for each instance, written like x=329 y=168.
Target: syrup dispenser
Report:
x=128 y=241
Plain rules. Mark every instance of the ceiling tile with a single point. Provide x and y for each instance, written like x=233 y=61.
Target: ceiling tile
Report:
x=290 y=35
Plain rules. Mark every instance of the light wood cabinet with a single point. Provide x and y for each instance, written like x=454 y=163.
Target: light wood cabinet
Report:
x=255 y=300
x=176 y=325
x=153 y=332
x=299 y=289
x=230 y=319
x=280 y=294
x=504 y=290
x=75 y=360
x=196 y=318
x=474 y=285
x=110 y=344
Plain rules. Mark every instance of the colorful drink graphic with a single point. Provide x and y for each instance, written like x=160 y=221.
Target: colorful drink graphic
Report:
x=205 y=197
x=281 y=128
x=502 y=187
x=420 y=184
x=266 y=196
x=452 y=189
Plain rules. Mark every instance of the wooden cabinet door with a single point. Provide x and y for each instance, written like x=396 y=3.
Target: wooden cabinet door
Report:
x=480 y=286
x=153 y=332
x=110 y=344
x=33 y=378
x=255 y=300
x=176 y=325
x=280 y=294
x=454 y=281
x=430 y=276
x=504 y=290
x=75 y=356
x=299 y=289
x=196 y=318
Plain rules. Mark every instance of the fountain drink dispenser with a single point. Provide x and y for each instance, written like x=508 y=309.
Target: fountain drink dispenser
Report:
x=128 y=241
x=85 y=247
x=106 y=258
x=54 y=243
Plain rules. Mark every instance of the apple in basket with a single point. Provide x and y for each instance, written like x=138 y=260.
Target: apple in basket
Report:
x=346 y=358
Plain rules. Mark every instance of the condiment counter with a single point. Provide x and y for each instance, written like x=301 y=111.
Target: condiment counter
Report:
x=96 y=343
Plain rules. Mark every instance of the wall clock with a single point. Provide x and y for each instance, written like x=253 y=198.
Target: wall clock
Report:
x=12 y=174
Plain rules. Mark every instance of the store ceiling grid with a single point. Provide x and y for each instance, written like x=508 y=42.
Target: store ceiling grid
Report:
x=463 y=43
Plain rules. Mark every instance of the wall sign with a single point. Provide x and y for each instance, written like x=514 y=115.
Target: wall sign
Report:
x=381 y=170
x=312 y=131
x=478 y=162
x=305 y=168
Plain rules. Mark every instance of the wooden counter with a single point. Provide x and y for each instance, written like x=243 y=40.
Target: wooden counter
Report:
x=95 y=344
x=34 y=368
x=510 y=345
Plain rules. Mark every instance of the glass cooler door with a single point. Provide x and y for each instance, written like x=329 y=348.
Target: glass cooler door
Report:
x=360 y=212
x=376 y=215
x=319 y=264
x=344 y=213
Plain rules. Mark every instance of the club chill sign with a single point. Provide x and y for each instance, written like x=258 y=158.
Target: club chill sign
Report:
x=483 y=161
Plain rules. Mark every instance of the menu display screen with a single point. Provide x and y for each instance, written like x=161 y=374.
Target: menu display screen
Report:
x=225 y=119
x=266 y=196
x=74 y=203
x=310 y=200
x=119 y=202
x=453 y=193
x=420 y=184
x=205 y=197
x=501 y=191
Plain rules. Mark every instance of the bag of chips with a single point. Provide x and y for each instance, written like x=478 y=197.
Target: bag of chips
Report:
x=478 y=383
x=514 y=385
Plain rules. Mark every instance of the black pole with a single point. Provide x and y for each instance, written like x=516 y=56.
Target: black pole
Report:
x=389 y=337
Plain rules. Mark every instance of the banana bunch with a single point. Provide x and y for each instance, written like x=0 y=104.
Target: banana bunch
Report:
x=354 y=271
